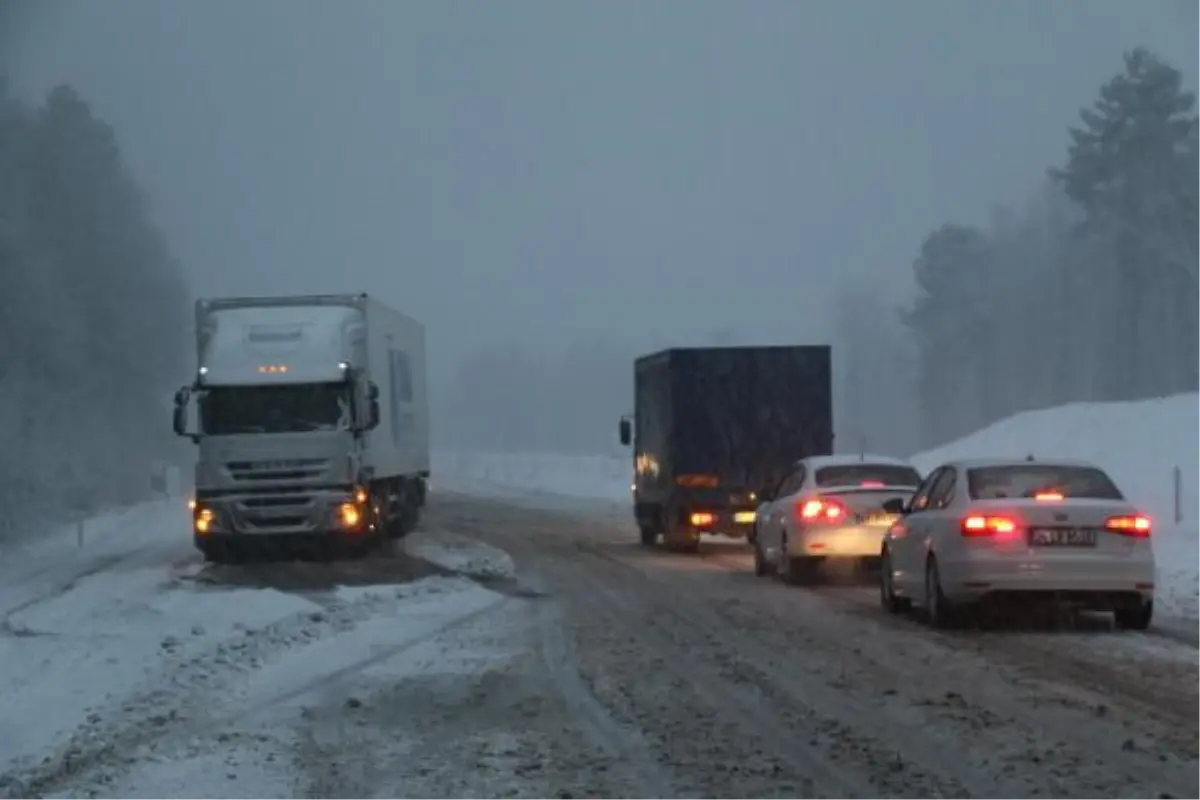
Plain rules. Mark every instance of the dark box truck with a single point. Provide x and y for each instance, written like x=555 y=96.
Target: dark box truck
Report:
x=715 y=426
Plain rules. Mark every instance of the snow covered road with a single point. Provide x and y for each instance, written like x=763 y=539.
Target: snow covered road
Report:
x=509 y=650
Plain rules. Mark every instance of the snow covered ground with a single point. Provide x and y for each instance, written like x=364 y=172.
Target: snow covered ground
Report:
x=105 y=644
x=1139 y=443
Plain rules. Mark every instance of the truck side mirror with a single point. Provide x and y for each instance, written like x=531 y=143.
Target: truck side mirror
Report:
x=626 y=431
x=372 y=406
x=179 y=422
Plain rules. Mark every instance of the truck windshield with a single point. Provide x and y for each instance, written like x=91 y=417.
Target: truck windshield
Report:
x=291 y=408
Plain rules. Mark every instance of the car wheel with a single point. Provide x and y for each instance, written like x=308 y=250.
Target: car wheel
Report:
x=887 y=590
x=649 y=536
x=795 y=571
x=1134 y=617
x=761 y=567
x=939 y=612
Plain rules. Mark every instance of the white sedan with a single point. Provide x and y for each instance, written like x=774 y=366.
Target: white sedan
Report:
x=828 y=507
x=1008 y=529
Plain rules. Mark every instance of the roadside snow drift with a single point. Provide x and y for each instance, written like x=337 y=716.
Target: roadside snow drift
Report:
x=592 y=477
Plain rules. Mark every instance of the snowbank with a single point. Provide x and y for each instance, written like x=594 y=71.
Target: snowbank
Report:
x=594 y=477
x=1138 y=443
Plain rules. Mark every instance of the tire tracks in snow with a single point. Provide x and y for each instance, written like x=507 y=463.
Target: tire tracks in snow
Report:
x=623 y=744
x=927 y=691
x=1047 y=701
x=781 y=744
x=193 y=697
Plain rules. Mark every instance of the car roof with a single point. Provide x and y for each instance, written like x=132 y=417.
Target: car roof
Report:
x=976 y=463
x=846 y=459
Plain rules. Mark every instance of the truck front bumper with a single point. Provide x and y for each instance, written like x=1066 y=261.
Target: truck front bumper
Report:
x=340 y=512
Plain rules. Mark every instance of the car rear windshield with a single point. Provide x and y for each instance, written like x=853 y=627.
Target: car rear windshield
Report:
x=858 y=474
x=1028 y=480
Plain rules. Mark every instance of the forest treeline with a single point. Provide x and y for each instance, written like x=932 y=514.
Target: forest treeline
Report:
x=1088 y=293
x=93 y=317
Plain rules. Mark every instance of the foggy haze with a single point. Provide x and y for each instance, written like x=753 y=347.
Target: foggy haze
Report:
x=554 y=188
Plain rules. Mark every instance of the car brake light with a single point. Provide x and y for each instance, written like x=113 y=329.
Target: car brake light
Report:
x=1048 y=496
x=821 y=511
x=1134 y=525
x=980 y=525
x=872 y=484
x=702 y=519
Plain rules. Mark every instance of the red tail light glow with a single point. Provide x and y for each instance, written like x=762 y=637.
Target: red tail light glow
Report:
x=872 y=484
x=981 y=525
x=1048 y=496
x=1136 y=525
x=702 y=519
x=821 y=511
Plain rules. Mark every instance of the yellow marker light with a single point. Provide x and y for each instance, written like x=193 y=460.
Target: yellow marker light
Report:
x=203 y=520
x=350 y=515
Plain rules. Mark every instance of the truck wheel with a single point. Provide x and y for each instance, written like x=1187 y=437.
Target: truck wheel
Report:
x=682 y=542
x=649 y=536
x=220 y=553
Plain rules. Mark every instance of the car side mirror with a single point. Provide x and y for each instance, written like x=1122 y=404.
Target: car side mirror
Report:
x=896 y=505
x=626 y=431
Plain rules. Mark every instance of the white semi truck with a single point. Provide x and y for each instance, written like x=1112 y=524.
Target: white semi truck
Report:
x=312 y=425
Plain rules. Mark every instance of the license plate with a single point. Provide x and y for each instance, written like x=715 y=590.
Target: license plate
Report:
x=1062 y=537
x=881 y=519
x=744 y=516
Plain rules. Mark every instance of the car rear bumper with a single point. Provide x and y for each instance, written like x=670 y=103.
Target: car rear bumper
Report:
x=851 y=541
x=973 y=580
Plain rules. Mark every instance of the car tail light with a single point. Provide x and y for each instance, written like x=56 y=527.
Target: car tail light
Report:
x=1131 y=525
x=821 y=510
x=702 y=519
x=872 y=484
x=987 y=525
x=1048 y=496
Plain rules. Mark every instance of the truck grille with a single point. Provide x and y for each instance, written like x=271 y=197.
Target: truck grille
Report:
x=295 y=469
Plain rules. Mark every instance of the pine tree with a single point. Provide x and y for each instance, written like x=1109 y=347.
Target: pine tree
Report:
x=1132 y=167
x=949 y=324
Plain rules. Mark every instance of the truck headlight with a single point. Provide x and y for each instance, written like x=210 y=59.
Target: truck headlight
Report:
x=203 y=520
x=349 y=515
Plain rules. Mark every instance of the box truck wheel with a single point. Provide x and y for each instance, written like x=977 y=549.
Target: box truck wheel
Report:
x=677 y=538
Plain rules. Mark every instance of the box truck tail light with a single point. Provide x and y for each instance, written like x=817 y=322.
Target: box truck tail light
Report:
x=702 y=519
x=698 y=481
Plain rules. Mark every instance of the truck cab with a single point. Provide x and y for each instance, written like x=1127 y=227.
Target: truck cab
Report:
x=286 y=420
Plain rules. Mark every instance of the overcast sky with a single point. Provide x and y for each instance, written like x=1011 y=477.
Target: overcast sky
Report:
x=542 y=170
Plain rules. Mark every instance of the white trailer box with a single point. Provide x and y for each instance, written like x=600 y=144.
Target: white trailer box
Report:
x=313 y=421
